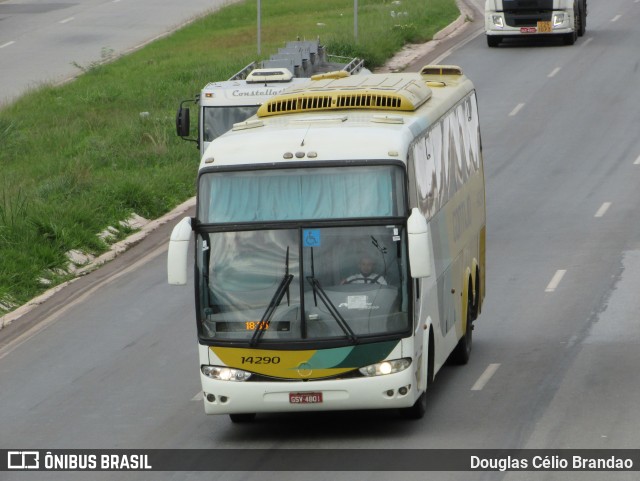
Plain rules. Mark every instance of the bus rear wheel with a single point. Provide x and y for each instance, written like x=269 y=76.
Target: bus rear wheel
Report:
x=242 y=418
x=462 y=353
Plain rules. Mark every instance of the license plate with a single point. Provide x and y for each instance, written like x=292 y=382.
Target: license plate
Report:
x=528 y=30
x=544 y=27
x=305 y=397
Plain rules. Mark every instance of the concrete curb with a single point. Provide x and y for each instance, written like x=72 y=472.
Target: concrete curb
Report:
x=466 y=15
x=116 y=249
x=410 y=53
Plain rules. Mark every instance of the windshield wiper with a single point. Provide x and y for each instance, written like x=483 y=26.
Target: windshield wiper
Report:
x=273 y=305
x=283 y=288
x=317 y=289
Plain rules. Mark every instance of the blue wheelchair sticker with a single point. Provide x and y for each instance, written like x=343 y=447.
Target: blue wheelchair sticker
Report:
x=311 y=238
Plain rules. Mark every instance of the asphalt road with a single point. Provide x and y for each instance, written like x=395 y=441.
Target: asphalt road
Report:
x=45 y=42
x=112 y=363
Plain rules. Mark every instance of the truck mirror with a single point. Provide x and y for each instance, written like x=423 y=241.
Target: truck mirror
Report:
x=420 y=261
x=177 y=258
x=182 y=122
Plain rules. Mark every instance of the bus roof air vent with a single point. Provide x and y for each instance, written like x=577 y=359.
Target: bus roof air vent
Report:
x=261 y=75
x=374 y=92
x=441 y=75
x=441 y=70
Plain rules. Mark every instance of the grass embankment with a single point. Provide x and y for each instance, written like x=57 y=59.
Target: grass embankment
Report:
x=77 y=158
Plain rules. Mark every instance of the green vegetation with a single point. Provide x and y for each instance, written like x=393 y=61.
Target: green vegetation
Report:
x=80 y=157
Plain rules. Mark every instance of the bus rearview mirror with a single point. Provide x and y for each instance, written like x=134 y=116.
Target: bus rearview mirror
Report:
x=183 y=123
x=177 y=257
x=420 y=261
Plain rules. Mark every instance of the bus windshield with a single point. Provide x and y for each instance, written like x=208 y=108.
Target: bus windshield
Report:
x=301 y=194
x=218 y=120
x=303 y=284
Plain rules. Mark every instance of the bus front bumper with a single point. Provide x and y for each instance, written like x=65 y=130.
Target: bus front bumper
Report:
x=382 y=392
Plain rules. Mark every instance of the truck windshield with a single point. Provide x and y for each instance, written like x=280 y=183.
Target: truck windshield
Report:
x=303 y=283
x=218 y=120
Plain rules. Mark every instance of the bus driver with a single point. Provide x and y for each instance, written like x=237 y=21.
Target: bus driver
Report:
x=367 y=275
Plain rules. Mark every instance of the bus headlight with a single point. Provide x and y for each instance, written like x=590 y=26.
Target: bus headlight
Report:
x=225 y=373
x=558 y=19
x=498 y=21
x=385 y=367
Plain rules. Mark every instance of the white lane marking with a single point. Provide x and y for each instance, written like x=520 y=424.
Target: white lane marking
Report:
x=603 y=209
x=439 y=60
x=7 y=44
x=587 y=41
x=66 y=20
x=555 y=281
x=637 y=162
x=616 y=18
x=484 y=378
x=516 y=110
x=554 y=72
x=198 y=397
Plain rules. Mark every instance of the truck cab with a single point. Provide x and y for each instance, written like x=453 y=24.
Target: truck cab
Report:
x=518 y=18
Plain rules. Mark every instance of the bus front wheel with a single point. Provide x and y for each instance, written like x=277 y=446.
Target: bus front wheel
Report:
x=242 y=418
x=419 y=408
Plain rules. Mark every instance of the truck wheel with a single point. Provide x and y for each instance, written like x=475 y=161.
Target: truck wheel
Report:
x=582 y=9
x=570 y=38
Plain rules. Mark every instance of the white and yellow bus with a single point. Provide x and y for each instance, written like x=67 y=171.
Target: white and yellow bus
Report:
x=383 y=170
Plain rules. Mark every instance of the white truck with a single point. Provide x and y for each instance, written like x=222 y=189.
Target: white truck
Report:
x=224 y=103
x=518 y=18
